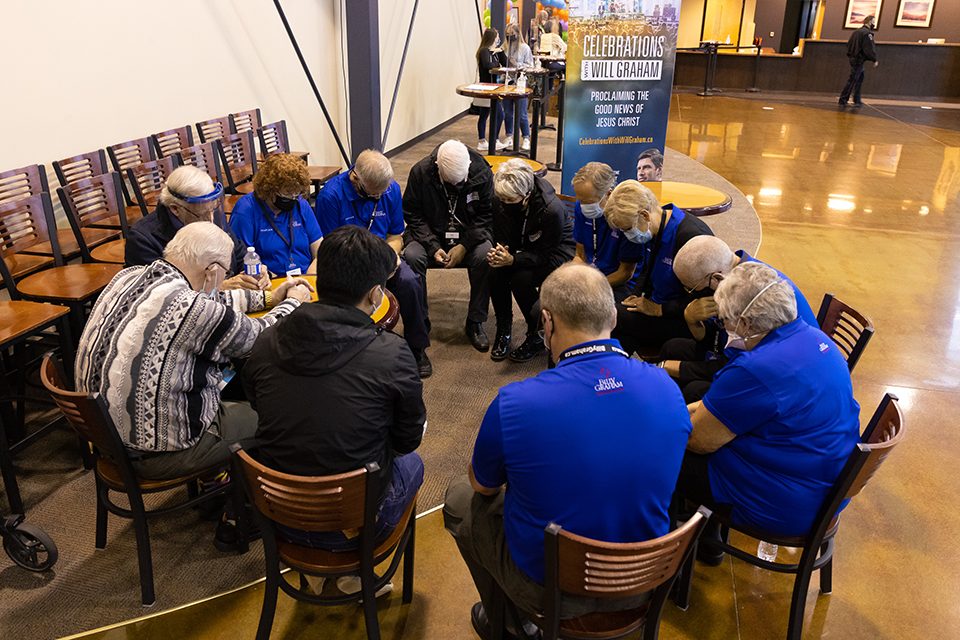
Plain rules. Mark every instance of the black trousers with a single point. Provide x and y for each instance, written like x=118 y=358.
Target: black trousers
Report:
x=693 y=488
x=641 y=333
x=475 y=262
x=854 y=82
x=696 y=372
x=524 y=285
x=408 y=287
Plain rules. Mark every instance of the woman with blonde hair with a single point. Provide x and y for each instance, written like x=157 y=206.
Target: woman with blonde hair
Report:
x=520 y=57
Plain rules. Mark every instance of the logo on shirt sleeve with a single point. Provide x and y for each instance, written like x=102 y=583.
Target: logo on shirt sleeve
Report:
x=823 y=347
x=607 y=383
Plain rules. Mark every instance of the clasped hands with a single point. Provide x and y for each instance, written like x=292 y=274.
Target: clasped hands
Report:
x=296 y=288
x=452 y=258
x=640 y=304
x=499 y=256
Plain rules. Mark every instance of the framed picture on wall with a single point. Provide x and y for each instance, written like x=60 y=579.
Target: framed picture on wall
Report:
x=915 y=13
x=857 y=10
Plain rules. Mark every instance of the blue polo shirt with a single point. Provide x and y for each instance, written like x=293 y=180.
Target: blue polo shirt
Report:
x=594 y=445
x=250 y=224
x=339 y=203
x=666 y=285
x=789 y=401
x=804 y=312
x=605 y=247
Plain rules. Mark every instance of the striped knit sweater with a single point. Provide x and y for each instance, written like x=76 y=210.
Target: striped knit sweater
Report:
x=153 y=348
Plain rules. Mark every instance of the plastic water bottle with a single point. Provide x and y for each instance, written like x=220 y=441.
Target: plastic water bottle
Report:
x=522 y=82
x=251 y=263
x=767 y=551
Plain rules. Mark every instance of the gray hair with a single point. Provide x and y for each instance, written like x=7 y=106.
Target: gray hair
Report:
x=199 y=245
x=701 y=256
x=580 y=297
x=627 y=201
x=188 y=181
x=773 y=301
x=453 y=161
x=598 y=175
x=513 y=181
x=375 y=170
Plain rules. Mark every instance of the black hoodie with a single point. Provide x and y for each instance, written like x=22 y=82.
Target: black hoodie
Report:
x=333 y=392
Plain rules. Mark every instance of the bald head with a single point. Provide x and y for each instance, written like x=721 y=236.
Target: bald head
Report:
x=579 y=297
x=700 y=257
x=374 y=170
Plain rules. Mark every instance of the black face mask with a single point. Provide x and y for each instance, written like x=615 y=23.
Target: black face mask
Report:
x=515 y=208
x=285 y=204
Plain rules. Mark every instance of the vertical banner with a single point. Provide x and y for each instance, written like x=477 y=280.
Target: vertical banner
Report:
x=620 y=59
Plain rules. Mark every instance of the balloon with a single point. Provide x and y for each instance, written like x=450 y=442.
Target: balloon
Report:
x=564 y=36
x=509 y=6
x=486 y=12
x=486 y=22
x=563 y=26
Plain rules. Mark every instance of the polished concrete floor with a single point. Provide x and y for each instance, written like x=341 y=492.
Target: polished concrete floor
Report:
x=863 y=205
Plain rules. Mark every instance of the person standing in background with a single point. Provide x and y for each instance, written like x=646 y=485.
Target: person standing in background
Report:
x=520 y=57
x=860 y=48
x=489 y=56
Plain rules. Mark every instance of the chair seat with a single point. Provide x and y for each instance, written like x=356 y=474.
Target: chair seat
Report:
x=320 y=174
x=229 y=202
x=23 y=264
x=782 y=541
x=320 y=561
x=607 y=624
x=72 y=283
x=110 y=474
x=19 y=318
x=246 y=187
x=69 y=248
x=111 y=252
x=134 y=212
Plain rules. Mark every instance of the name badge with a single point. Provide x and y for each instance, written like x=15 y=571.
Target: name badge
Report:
x=452 y=235
x=292 y=273
x=472 y=196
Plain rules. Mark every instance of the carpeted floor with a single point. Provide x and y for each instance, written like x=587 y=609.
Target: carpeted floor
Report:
x=90 y=588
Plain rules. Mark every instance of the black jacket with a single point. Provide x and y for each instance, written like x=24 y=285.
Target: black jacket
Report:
x=860 y=46
x=487 y=60
x=541 y=238
x=425 y=205
x=148 y=237
x=333 y=392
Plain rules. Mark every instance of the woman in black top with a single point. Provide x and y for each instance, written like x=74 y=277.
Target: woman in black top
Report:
x=489 y=56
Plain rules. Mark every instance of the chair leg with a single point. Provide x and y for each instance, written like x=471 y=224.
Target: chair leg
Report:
x=9 y=473
x=102 y=514
x=269 y=608
x=408 y=559
x=799 y=601
x=826 y=572
x=144 y=556
x=367 y=579
x=684 y=582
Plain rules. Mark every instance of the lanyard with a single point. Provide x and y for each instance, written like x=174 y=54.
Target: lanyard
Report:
x=591 y=349
x=287 y=241
x=451 y=207
x=373 y=214
x=594 y=224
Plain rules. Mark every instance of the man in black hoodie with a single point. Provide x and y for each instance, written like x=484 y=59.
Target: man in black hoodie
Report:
x=333 y=391
x=448 y=208
x=860 y=48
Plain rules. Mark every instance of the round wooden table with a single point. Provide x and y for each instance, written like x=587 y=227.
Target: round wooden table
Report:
x=692 y=198
x=499 y=92
x=387 y=313
x=539 y=169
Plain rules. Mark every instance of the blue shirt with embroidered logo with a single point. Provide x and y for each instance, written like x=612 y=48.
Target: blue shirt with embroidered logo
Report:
x=594 y=445
x=804 y=311
x=250 y=224
x=605 y=247
x=339 y=203
x=789 y=402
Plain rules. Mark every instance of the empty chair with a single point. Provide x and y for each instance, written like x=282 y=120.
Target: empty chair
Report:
x=849 y=328
x=23 y=182
x=273 y=139
x=332 y=503
x=207 y=157
x=125 y=155
x=238 y=161
x=85 y=165
x=167 y=143
x=214 y=129
x=94 y=205
x=245 y=121
x=147 y=180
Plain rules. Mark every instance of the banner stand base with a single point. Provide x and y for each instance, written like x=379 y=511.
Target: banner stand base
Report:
x=753 y=90
x=554 y=166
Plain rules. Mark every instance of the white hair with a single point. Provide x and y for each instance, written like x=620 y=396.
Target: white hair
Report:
x=453 y=161
x=700 y=257
x=375 y=170
x=513 y=181
x=199 y=245
x=773 y=301
x=187 y=181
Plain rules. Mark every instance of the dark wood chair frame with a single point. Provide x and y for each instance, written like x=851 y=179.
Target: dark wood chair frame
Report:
x=113 y=199
x=120 y=162
x=154 y=173
x=249 y=117
x=882 y=434
x=204 y=126
x=849 y=329
x=245 y=141
x=356 y=510
x=23 y=182
x=68 y=171
x=44 y=227
x=183 y=136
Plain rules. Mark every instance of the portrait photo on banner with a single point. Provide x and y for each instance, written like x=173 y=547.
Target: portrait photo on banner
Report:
x=915 y=13
x=858 y=10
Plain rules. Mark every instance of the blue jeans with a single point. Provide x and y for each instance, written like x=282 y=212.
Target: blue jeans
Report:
x=524 y=117
x=408 y=288
x=482 y=132
x=404 y=482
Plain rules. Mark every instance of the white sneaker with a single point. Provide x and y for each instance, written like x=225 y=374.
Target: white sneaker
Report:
x=351 y=585
x=483 y=146
x=504 y=146
x=525 y=145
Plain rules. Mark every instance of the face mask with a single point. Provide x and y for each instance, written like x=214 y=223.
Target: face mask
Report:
x=496 y=43
x=638 y=237
x=735 y=340
x=285 y=204
x=211 y=288
x=591 y=211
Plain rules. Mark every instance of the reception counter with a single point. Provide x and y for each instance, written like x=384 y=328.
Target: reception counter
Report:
x=907 y=70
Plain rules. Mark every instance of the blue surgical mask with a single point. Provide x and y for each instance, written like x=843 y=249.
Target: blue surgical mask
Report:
x=638 y=237
x=591 y=211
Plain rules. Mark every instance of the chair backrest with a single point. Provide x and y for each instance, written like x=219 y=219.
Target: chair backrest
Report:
x=204 y=156
x=25 y=223
x=883 y=433
x=569 y=205
x=23 y=182
x=330 y=503
x=214 y=129
x=590 y=568
x=273 y=138
x=128 y=154
x=245 y=121
x=93 y=201
x=85 y=165
x=148 y=179
x=167 y=143
x=238 y=156
x=848 y=328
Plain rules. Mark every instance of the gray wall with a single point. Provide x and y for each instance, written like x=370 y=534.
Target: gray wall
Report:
x=769 y=17
x=945 y=23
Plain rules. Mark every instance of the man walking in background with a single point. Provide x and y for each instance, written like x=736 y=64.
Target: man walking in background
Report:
x=860 y=48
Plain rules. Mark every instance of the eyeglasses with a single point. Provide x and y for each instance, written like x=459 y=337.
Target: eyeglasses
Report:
x=362 y=190
x=708 y=278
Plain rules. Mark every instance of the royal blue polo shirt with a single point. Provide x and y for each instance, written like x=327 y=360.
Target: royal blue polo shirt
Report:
x=605 y=247
x=594 y=445
x=790 y=404
x=804 y=311
x=339 y=203
x=250 y=224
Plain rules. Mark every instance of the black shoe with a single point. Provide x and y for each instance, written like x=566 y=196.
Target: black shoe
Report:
x=842 y=102
x=227 y=537
x=530 y=349
x=477 y=336
x=501 y=347
x=481 y=624
x=857 y=104
x=424 y=366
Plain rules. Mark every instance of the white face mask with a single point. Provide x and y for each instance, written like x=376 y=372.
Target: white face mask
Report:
x=212 y=290
x=591 y=211
x=734 y=339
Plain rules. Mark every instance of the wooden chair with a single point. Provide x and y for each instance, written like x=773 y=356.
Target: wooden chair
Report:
x=245 y=121
x=882 y=434
x=273 y=139
x=87 y=414
x=206 y=157
x=93 y=205
x=85 y=165
x=238 y=160
x=849 y=328
x=167 y=143
x=331 y=503
x=125 y=155
x=147 y=180
x=214 y=129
